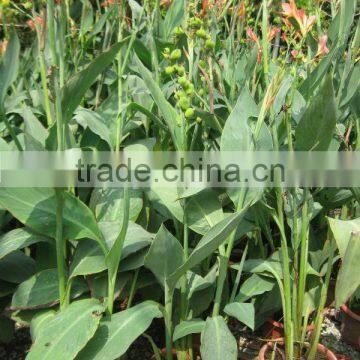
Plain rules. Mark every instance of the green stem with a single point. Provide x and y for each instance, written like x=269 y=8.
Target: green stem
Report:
x=114 y=256
x=265 y=44
x=133 y=288
x=320 y=311
x=168 y=322
x=60 y=247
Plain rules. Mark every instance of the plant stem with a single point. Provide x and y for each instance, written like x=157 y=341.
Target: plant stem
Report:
x=265 y=44
x=133 y=288
x=320 y=311
x=168 y=322
x=60 y=256
x=114 y=256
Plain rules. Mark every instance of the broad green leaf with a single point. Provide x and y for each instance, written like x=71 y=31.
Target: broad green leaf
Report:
x=108 y=204
x=165 y=255
x=33 y=127
x=75 y=89
x=36 y=208
x=174 y=17
x=65 y=334
x=237 y=135
x=92 y=120
x=351 y=86
x=88 y=259
x=217 y=342
x=254 y=285
x=203 y=211
x=216 y=236
x=309 y=86
x=18 y=239
x=347 y=13
x=39 y=320
x=281 y=95
x=347 y=283
x=42 y=289
x=169 y=198
x=136 y=237
x=169 y=113
x=315 y=129
x=193 y=326
x=116 y=334
x=243 y=312
x=9 y=66
x=198 y=283
x=16 y=267
x=342 y=230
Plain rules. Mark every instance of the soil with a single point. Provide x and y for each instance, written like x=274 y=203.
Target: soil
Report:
x=249 y=344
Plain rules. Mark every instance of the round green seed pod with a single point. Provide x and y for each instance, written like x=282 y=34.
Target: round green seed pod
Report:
x=202 y=63
x=209 y=44
x=178 y=31
x=180 y=70
x=189 y=113
x=201 y=33
x=28 y=5
x=169 y=70
x=199 y=120
x=201 y=92
x=184 y=103
x=175 y=55
x=190 y=90
x=183 y=81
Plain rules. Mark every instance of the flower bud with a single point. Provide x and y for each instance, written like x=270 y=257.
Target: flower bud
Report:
x=175 y=55
x=189 y=113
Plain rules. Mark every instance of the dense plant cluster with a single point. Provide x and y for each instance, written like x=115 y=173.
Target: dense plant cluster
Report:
x=89 y=269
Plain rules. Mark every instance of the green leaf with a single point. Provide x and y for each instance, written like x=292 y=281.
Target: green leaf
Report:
x=39 y=320
x=9 y=66
x=193 y=326
x=16 y=267
x=254 y=285
x=244 y=312
x=88 y=259
x=347 y=283
x=216 y=236
x=42 y=290
x=75 y=89
x=165 y=255
x=65 y=334
x=36 y=208
x=169 y=198
x=116 y=334
x=33 y=126
x=18 y=239
x=237 y=135
x=351 y=86
x=217 y=342
x=174 y=17
x=108 y=204
x=203 y=211
x=315 y=129
x=92 y=120
x=309 y=86
x=342 y=230
x=169 y=113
